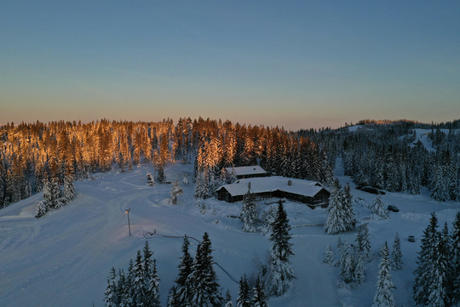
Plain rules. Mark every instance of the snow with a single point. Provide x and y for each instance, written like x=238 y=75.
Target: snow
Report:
x=422 y=135
x=354 y=128
x=64 y=258
x=273 y=183
x=246 y=170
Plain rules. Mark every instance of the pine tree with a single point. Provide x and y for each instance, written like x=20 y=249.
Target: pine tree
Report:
x=111 y=290
x=362 y=240
x=378 y=208
x=396 y=255
x=328 y=257
x=203 y=278
x=248 y=213
x=455 y=262
x=243 y=299
x=384 y=293
x=281 y=270
x=259 y=299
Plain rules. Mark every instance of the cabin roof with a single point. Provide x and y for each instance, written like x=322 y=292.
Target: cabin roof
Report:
x=246 y=170
x=272 y=184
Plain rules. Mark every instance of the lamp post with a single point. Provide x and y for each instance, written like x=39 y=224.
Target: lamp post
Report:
x=129 y=223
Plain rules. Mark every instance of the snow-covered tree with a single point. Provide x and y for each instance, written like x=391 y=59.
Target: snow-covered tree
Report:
x=328 y=256
x=440 y=185
x=259 y=299
x=150 y=180
x=244 y=298
x=248 y=214
x=110 y=294
x=228 y=300
x=432 y=274
x=202 y=185
x=280 y=268
x=185 y=180
x=359 y=272
x=183 y=290
x=151 y=279
x=455 y=253
x=362 y=240
x=384 y=292
x=378 y=208
x=396 y=255
x=176 y=190
x=69 y=189
x=347 y=263
x=203 y=278
x=160 y=174
x=268 y=217
x=41 y=208
x=341 y=217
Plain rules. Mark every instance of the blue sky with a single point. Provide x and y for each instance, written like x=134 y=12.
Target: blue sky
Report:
x=289 y=63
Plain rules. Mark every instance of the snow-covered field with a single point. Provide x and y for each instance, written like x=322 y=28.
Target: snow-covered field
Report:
x=63 y=259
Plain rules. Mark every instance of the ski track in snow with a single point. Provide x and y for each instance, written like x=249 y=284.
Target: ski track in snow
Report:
x=63 y=259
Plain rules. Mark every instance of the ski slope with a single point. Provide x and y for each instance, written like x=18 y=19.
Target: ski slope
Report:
x=63 y=259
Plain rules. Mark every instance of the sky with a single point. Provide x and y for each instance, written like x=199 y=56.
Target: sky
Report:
x=297 y=64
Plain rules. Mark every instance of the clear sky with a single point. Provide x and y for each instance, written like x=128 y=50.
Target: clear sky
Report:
x=297 y=64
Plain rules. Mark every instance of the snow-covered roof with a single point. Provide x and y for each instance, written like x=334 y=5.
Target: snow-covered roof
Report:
x=272 y=184
x=246 y=170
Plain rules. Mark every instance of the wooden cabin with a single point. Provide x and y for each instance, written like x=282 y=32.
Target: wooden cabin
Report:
x=309 y=192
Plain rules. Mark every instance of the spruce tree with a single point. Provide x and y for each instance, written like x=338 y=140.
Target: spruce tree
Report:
x=328 y=256
x=41 y=208
x=110 y=294
x=228 y=299
x=359 y=273
x=259 y=299
x=396 y=255
x=139 y=290
x=347 y=263
x=123 y=290
x=281 y=270
x=362 y=241
x=151 y=280
x=244 y=299
x=341 y=217
x=203 y=278
x=248 y=213
x=384 y=293
x=455 y=262
x=183 y=290
x=173 y=298
x=425 y=261
x=69 y=189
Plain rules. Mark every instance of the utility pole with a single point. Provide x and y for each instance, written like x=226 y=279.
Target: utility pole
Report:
x=129 y=223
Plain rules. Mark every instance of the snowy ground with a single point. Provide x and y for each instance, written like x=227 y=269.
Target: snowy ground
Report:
x=64 y=258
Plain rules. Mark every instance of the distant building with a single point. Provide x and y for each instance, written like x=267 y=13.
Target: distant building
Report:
x=241 y=172
x=305 y=191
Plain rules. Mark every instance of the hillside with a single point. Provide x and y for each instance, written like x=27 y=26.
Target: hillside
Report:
x=64 y=257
